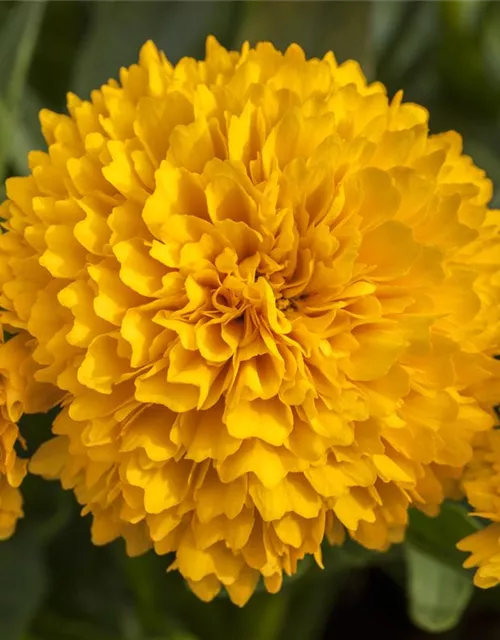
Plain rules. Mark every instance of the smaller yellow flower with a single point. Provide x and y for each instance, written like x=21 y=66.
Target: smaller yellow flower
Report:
x=482 y=486
x=19 y=393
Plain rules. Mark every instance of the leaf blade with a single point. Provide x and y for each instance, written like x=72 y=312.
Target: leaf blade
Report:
x=438 y=594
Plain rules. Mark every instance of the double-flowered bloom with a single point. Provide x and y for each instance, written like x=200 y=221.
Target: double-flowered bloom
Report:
x=271 y=301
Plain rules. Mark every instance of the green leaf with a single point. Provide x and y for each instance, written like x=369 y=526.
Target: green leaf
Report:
x=438 y=595
x=23 y=582
x=438 y=536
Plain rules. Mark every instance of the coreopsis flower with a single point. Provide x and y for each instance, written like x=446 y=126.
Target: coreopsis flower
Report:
x=481 y=484
x=271 y=299
x=19 y=393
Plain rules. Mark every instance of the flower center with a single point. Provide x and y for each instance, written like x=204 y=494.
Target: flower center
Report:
x=283 y=303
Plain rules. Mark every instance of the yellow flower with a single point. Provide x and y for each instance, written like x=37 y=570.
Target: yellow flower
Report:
x=18 y=392
x=271 y=299
x=481 y=484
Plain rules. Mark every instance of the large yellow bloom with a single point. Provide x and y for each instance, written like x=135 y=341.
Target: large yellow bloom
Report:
x=271 y=299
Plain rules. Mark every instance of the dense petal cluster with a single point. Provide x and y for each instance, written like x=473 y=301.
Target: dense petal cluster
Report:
x=19 y=393
x=12 y=468
x=271 y=299
x=481 y=484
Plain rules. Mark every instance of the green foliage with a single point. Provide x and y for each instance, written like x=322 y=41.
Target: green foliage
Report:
x=438 y=536
x=438 y=595
x=438 y=588
x=54 y=585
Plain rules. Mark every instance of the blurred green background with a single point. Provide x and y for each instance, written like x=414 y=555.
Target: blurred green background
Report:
x=53 y=584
